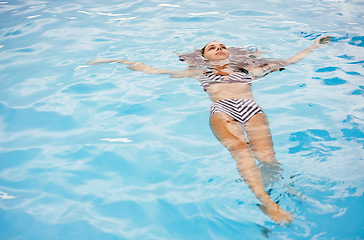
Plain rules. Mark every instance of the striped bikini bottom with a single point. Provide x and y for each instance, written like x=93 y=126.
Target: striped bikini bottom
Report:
x=241 y=110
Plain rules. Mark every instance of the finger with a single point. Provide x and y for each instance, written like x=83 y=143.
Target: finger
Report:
x=325 y=40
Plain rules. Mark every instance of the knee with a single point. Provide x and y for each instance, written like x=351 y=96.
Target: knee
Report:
x=236 y=145
x=267 y=156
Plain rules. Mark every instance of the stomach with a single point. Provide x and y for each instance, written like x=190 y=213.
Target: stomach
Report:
x=223 y=91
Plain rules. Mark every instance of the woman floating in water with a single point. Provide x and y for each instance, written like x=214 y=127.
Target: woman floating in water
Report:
x=226 y=75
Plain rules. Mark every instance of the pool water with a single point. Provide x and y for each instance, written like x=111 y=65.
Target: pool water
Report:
x=102 y=152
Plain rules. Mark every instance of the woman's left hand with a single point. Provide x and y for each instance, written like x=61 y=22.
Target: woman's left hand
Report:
x=322 y=40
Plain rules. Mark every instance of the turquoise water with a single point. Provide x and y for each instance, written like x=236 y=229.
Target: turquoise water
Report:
x=102 y=152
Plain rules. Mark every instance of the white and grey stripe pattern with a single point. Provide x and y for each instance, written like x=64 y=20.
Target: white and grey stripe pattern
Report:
x=210 y=79
x=241 y=110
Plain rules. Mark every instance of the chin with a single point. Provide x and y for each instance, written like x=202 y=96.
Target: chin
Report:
x=221 y=58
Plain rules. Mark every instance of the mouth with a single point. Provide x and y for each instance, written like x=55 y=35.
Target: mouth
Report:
x=220 y=53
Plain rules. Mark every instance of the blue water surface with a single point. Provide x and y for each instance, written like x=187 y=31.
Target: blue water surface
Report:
x=102 y=152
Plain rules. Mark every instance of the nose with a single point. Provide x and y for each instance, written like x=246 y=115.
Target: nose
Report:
x=219 y=48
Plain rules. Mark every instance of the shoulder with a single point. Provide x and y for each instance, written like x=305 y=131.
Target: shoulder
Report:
x=262 y=70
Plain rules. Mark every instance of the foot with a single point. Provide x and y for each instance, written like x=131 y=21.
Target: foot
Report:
x=275 y=212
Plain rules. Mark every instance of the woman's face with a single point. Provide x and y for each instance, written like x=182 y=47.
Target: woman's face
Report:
x=215 y=51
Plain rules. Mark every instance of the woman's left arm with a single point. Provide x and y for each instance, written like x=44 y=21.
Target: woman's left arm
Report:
x=301 y=55
x=279 y=65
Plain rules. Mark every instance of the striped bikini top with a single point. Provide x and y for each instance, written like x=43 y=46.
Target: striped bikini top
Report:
x=208 y=79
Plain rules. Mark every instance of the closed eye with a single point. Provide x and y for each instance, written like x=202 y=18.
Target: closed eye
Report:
x=213 y=47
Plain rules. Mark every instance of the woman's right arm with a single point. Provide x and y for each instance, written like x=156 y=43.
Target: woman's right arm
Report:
x=141 y=67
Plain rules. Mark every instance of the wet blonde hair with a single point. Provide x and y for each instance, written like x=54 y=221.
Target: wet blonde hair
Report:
x=240 y=58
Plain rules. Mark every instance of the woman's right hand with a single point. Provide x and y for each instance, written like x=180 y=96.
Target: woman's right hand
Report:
x=123 y=61
x=100 y=61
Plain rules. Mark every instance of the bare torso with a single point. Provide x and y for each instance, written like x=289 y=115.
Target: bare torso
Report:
x=221 y=91
x=230 y=91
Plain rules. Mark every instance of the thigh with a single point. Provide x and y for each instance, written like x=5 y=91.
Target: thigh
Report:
x=260 y=138
x=228 y=131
